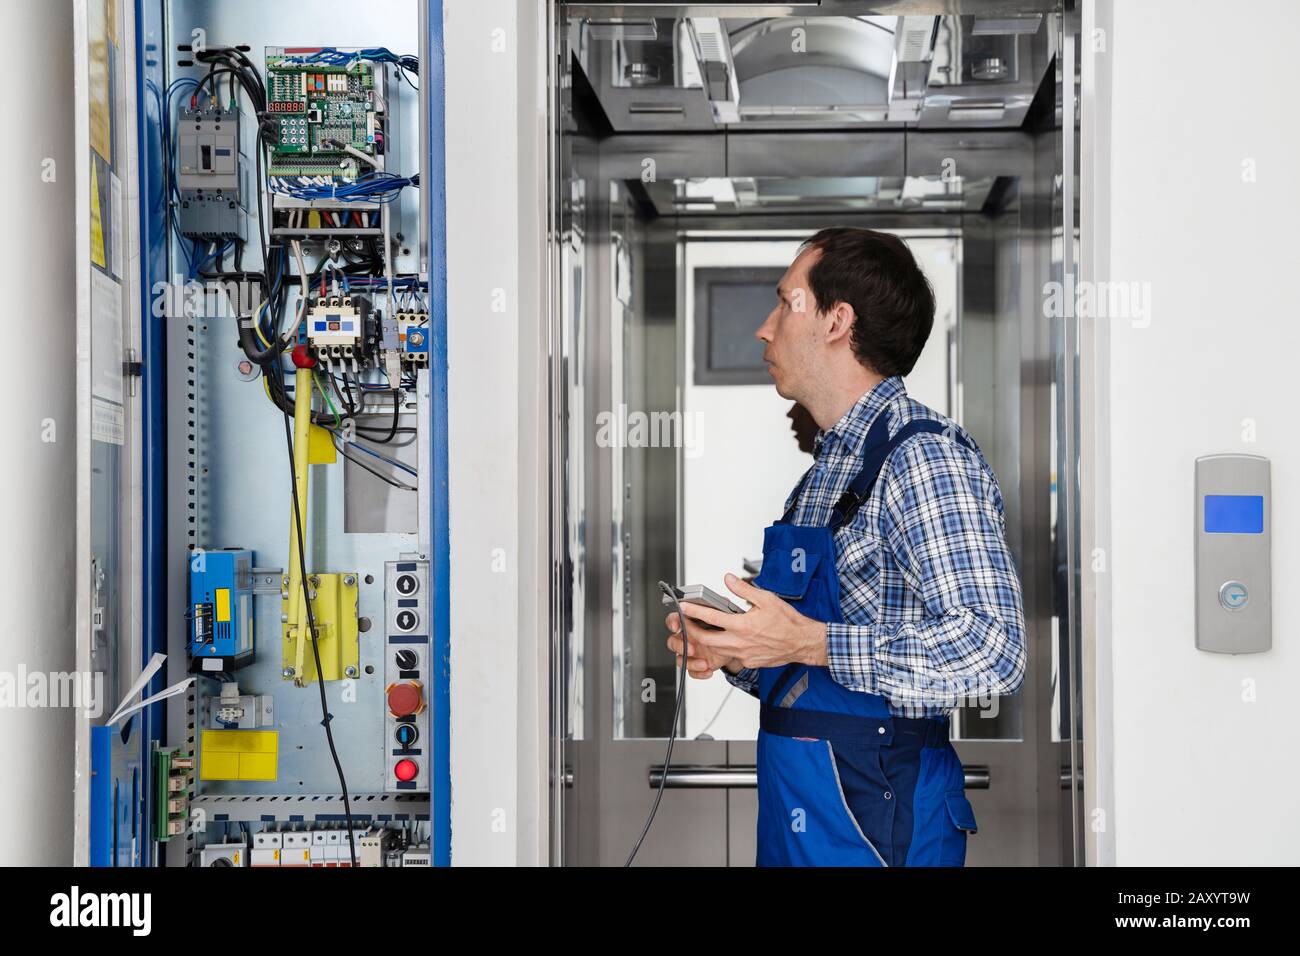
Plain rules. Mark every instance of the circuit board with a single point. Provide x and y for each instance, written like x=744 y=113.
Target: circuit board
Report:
x=318 y=108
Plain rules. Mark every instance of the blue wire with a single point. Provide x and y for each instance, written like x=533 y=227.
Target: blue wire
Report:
x=384 y=458
x=211 y=257
x=372 y=187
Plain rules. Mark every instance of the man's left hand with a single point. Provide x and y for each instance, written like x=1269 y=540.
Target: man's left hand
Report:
x=769 y=634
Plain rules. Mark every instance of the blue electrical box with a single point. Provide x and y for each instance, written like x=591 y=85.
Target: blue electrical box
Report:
x=221 y=610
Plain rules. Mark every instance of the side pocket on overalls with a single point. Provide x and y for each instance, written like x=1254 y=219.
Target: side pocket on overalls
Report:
x=962 y=819
x=867 y=795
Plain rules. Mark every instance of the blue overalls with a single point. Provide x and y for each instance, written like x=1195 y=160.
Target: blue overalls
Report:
x=841 y=782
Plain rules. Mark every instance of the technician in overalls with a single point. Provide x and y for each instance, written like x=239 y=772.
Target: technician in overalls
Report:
x=887 y=595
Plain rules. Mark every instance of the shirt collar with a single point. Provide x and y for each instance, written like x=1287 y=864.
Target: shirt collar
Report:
x=850 y=432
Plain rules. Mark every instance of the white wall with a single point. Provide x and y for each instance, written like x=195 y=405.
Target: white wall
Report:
x=495 y=125
x=1203 y=772
x=743 y=463
x=38 y=486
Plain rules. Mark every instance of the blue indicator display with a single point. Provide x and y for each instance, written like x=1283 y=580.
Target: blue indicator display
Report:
x=1234 y=514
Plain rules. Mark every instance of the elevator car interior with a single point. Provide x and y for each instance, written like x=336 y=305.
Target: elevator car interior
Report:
x=695 y=150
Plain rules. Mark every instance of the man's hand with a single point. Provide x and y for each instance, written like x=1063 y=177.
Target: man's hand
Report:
x=701 y=664
x=769 y=634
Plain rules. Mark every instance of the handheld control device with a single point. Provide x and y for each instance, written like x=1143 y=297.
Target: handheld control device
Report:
x=699 y=594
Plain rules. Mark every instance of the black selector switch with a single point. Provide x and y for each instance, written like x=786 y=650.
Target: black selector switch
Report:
x=407 y=659
x=406 y=735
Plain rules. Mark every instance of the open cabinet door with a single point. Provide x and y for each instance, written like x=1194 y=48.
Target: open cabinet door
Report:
x=111 y=769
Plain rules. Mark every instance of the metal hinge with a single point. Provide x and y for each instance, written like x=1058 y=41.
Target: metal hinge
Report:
x=132 y=369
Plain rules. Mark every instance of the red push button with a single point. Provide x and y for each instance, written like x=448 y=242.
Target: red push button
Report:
x=405 y=699
x=405 y=770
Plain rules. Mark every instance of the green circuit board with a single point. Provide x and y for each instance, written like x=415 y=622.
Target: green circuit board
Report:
x=317 y=107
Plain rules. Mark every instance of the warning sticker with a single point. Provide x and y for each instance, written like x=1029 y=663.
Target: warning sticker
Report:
x=98 y=252
x=107 y=413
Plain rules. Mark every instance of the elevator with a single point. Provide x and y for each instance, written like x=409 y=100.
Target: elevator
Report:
x=693 y=148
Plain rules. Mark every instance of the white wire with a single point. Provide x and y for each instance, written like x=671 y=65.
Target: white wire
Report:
x=302 y=301
x=353 y=151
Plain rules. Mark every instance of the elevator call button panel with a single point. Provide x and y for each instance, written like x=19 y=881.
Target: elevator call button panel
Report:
x=1234 y=611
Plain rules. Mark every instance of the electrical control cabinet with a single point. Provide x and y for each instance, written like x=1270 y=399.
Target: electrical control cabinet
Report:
x=288 y=379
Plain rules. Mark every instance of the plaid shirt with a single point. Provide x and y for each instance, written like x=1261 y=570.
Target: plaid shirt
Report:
x=928 y=590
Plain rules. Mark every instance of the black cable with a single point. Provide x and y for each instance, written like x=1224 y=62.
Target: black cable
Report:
x=215 y=94
x=378 y=474
x=344 y=394
x=392 y=432
x=677 y=715
x=315 y=649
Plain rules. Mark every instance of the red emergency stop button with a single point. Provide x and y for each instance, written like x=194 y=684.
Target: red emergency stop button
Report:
x=405 y=770
x=405 y=699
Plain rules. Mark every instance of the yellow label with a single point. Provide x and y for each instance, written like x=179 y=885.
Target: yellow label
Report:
x=320 y=447
x=239 y=754
x=97 y=253
x=223 y=604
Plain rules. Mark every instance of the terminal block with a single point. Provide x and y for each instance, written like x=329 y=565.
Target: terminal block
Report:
x=173 y=771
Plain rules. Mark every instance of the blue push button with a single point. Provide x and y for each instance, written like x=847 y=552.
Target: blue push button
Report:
x=1233 y=595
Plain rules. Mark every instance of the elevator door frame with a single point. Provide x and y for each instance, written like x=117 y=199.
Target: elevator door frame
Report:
x=627 y=760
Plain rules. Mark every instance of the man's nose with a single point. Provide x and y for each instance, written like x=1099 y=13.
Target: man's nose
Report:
x=764 y=332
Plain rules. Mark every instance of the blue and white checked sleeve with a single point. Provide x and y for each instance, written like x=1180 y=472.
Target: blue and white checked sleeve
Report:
x=941 y=521
x=746 y=679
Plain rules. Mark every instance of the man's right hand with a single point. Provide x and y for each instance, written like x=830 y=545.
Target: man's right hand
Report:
x=701 y=664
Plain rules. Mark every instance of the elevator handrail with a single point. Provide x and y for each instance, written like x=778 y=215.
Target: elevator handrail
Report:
x=746 y=777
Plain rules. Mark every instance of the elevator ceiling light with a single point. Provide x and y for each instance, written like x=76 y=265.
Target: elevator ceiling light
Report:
x=645 y=30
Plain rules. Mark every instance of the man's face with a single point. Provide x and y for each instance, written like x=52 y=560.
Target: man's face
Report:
x=791 y=332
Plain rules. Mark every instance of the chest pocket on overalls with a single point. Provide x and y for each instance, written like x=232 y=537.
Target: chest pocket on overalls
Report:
x=789 y=573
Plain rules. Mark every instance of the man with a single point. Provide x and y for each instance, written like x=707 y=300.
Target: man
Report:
x=887 y=594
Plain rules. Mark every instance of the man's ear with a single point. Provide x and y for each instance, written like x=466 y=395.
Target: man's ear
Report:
x=841 y=317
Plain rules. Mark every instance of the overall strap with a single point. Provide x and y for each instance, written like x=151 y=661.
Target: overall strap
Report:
x=879 y=446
